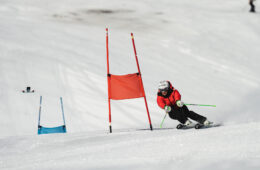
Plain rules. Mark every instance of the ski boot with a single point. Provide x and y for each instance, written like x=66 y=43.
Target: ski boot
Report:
x=185 y=125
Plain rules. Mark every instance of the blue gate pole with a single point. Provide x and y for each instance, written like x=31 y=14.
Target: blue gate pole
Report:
x=62 y=110
x=40 y=111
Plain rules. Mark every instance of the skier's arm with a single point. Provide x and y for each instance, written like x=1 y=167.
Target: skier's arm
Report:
x=177 y=95
x=161 y=103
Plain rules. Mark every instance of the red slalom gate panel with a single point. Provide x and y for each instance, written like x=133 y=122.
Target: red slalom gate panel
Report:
x=125 y=86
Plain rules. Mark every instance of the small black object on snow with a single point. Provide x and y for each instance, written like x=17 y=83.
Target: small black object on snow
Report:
x=28 y=90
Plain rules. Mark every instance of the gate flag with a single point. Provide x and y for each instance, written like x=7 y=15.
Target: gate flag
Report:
x=127 y=86
x=47 y=130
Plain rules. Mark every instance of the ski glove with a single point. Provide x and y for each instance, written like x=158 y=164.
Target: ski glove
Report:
x=179 y=103
x=167 y=109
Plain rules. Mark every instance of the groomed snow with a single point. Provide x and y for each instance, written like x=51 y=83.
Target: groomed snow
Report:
x=207 y=49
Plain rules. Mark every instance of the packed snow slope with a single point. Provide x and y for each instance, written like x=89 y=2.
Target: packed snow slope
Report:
x=222 y=148
x=207 y=49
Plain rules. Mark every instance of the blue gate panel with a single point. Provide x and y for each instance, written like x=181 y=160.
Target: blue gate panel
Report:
x=47 y=130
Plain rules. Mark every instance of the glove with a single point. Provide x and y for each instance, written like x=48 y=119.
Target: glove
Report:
x=167 y=109
x=179 y=103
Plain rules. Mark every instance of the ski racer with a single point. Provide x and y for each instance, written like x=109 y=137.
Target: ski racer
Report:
x=169 y=99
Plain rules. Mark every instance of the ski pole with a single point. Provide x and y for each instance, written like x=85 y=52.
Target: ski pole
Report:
x=200 y=105
x=163 y=120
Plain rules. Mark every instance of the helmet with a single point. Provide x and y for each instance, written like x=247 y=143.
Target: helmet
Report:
x=164 y=85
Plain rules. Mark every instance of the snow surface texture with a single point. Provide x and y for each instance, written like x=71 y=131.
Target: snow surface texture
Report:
x=207 y=49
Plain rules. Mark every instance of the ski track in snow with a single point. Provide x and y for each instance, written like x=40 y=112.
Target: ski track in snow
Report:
x=207 y=49
x=170 y=148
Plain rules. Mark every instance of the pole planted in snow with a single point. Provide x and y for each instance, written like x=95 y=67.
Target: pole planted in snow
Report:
x=40 y=109
x=62 y=110
x=133 y=41
x=108 y=82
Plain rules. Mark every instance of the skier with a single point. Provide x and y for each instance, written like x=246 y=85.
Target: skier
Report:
x=252 y=5
x=169 y=99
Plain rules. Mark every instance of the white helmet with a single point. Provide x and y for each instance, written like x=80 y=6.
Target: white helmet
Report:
x=164 y=85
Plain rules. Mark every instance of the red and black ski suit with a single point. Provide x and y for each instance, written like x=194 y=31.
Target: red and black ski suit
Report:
x=178 y=113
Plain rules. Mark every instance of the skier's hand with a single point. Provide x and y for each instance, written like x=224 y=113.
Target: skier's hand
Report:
x=167 y=109
x=179 y=103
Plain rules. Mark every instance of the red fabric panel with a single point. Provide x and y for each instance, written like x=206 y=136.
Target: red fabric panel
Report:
x=125 y=86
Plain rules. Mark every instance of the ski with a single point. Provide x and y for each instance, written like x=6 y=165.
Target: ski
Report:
x=202 y=126
x=197 y=126
x=182 y=126
x=28 y=92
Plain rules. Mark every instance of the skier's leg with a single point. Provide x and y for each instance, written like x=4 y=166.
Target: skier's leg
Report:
x=193 y=115
x=252 y=6
x=199 y=118
x=177 y=114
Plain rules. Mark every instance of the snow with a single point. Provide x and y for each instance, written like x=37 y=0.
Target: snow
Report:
x=225 y=147
x=207 y=49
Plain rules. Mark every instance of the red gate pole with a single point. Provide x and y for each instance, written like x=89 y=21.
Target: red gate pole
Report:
x=108 y=82
x=151 y=127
